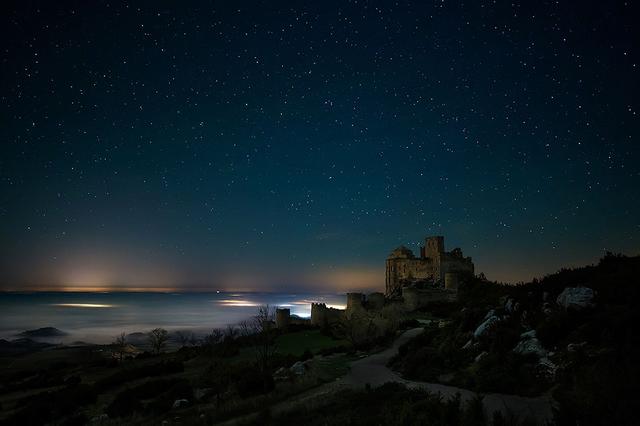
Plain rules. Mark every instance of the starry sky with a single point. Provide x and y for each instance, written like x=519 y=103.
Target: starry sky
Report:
x=293 y=145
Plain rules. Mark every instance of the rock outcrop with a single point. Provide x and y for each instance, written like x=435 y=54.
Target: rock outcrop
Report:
x=576 y=298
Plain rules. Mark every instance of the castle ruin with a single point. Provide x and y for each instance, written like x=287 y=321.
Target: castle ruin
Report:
x=411 y=282
x=436 y=266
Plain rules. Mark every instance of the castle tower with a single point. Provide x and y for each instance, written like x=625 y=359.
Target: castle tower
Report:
x=318 y=314
x=355 y=301
x=451 y=280
x=434 y=246
x=283 y=317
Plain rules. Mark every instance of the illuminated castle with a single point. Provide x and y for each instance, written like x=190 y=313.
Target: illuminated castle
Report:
x=434 y=264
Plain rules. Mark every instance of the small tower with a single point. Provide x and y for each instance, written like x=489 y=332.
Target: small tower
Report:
x=451 y=280
x=355 y=303
x=283 y=317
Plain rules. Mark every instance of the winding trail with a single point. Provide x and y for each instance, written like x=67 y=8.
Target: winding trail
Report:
x=373 y=370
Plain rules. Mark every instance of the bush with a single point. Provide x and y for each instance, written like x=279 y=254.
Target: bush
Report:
x=163 y=392
x=507 y=373
x=133 y=373
x=390 y=404
x=254 y=382
x=553 y=329
x=48 y=407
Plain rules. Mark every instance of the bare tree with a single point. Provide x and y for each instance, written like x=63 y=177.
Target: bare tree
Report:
x=231 y=332
x=264 y=327
x=184 y=337
x=245 y=328
x=120 y=345
x=193 y=339
x=158 y=339
x=214 y=337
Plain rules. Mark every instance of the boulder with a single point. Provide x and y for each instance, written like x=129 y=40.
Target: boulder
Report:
x=481 y=355
x=282 y=374
x=200 y=393
x=547 y=368
x=99 y=419
x=489 y=323
x=180 y=403
x=443 y=323
x=529 y=344
x=299 y=368
x=511 y=306
x=491 y=313
x=576 y=298
x=576 y=347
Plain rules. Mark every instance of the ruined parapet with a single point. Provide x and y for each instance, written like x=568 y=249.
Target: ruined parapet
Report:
x=283 y=317
x=451 y=281
x=375 y=301
x=355 y=302
x=322 y=316
x=318 y=314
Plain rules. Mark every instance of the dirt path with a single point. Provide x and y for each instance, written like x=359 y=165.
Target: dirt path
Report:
x=373 y=370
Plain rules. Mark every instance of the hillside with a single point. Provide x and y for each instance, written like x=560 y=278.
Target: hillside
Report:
x=570 y=334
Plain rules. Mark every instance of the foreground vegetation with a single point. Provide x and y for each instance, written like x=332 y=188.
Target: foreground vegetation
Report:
x=590 y=362
x=391 y=404
x=223 y=376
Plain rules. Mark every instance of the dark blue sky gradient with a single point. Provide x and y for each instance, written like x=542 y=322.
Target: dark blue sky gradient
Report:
x=263 y=145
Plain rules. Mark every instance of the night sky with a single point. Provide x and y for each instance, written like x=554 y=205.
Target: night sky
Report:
x=269 y=145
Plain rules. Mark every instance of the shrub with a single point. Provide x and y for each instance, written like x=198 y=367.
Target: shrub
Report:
x=48 y=407
x=254 y=382
x=554 y=328
x=164 y=392
x=132 y=373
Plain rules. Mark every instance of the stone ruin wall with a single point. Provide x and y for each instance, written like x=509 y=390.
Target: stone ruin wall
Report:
x=419 y=298
x=433 y=264
x=398 y=269
x=460 y=265
x=321 y=315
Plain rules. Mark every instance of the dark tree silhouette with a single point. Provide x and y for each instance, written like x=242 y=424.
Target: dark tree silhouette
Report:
x=120 y=345
x=158 y=339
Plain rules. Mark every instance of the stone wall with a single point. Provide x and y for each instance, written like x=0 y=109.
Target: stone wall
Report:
x=375 y=301
x=322 y=316
x=419 y=298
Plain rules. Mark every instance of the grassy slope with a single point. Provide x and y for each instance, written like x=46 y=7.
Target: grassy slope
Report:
x=298 y=342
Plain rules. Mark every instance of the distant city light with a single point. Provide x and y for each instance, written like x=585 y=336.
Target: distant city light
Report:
x=237 y=303
x=83 y=305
